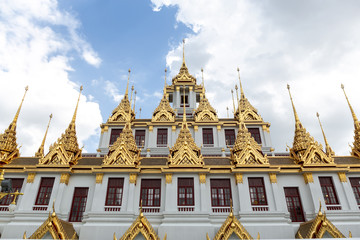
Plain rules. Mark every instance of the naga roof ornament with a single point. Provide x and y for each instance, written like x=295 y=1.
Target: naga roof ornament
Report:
x=184 y=77
x=120 y=113
x=355 y=150
x=40 y=151
x=124 y=151
x=164 y=112
x=305 y=149
x=8 y=145
x=246 y=150
x=205 y=112
x=185 y=152
x=245 y=108
x=65 y=151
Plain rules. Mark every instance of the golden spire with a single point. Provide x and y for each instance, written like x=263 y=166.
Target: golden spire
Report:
x=134 y=101
x=237 y=93
x=132 y=90
x=227 y=112
x=140 y=113
x=184 y=114
x=40 y=152
x=297 y=121
x=164 y=112
x=165 y=85
x=13 y=124
x=242 y=95
x=351 y=109
x=329 y=151
x=232 y=94
x=183 y=53
x=127 y=85
x=77 y=105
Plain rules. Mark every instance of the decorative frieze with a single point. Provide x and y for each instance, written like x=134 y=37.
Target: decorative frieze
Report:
x=64 y=178
x=31 y=177
x=99 y=178
x=308 y=177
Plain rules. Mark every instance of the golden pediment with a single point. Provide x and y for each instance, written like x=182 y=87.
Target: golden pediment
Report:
x=205 y=112
x=185 y=157
x=312 y=155
x=59 y=156
x=184 y=77
x=164 y=112
x=121 y=112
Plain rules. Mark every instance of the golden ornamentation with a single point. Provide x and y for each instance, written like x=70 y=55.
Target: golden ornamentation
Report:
x=99 y=178
x=151 y=128
x=30 y=177
x=196 y=128
x=248 y=112
x=66 y=150
x=59 y=229
x=342 y=176
x=140 y=226
x=238 y=178
x=132 y=178
x=202 y=178
x=272 y=177
x=328 y=149
x=121 y=112
x=306 y=150
x=185 y=152
x=168 y=177
x=246 y=150
x=164 y=112
x=232 y=226
x=183 y=77
x=308 y=177
x=64 y=178
x=317 y=227
x=266 y=128
x=8 y=145
x=355 y=150
x=173 y=128
x=40 y=151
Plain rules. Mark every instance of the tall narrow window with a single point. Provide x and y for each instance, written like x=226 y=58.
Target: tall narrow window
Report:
x=255 y=133
x=16 y=186
x=114 y=192
x=185 y=191
x=257 y=191
x=294 y=205
x=78 y=204
x=186 y=100
x=115 y=133
x=140 y=138
x=151 y=192
x=220 y=192
x=328 y=190
x=355 y=184
x=208 y=138
x=44 y=194
x=162 y=134
x=230 y=136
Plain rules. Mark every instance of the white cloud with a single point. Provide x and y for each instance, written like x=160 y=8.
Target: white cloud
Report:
x=312 y=45
x=113 y=91
x=35 y=52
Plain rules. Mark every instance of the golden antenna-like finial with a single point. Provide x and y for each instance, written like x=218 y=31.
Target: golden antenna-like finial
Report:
x=13 y=124
x=183 y=52
x=350 y=234
x=24 y=235
x=203 y=83
x=231 y=207
x=227 y=112
x=127 y=85
x=165 y=85
x=232 y=94
x=184 y=114
x=327 y=146
x=351 y=109
x=140 y=113
x=242 y=95
x=131 y=95
x=319 y=212
x=292 y=103
x=134 y=100
x=114 y=237
x=40 y=152
x=77 y=105
x=237 y=93
x=258 y=236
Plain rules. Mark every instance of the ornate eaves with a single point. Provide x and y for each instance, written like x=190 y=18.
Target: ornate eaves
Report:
x=164 y=112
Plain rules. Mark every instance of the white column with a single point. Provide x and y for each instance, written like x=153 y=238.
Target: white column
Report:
x=279 y=200
x=170 y=193
x=244 y=194
x=349 y=193
x=204 y=194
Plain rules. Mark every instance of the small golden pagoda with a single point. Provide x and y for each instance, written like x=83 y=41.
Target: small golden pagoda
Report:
x=183 y=77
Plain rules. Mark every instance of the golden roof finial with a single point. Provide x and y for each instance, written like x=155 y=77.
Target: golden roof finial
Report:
x=227 y=112
x=351 y=109
x=242 y=95
x=165 y=85
x=140 y=113
x=76 y=108
x=131 y=95
x=40 y=152
x=13 y=124
x=184 y=53
x=203 y=83
x=237 y=93
x=127 y=85
x=134 y=101
x=232 y=94
x=329 y=151
x=297 y=121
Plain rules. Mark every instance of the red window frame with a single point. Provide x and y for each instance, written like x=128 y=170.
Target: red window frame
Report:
x=257 y=191
x=255 y=133
x=140 y=138
x=114 y=192
x=230 y=137
x=44 y=193
x=150 y=192
x=162 y=134
x=16 y=186
x=186 y=192
x=115 y=133
x=355 y=184
x=208 y=136
x=294 y=205
x=328 y=190
x=220 y=192
x=78 y=205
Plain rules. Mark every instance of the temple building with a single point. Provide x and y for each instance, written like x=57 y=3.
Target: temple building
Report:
x=185 y=173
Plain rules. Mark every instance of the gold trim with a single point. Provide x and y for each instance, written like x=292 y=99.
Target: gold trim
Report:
x=173 y=128
x=272 y=177
x=238 y=178
x=151 y=128
x=64 y=178
x=30 y=177
x=342 y=176
x=202 y=178
x=168 y=178
x=132 y=178
x=196 y=128
x=99 y=178
x=308 y=177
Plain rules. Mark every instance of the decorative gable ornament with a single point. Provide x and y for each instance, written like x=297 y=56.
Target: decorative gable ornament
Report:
x=205 y=112
x=184 y=77
x=164 y=112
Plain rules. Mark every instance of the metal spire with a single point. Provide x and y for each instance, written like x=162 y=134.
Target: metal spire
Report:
x=297 y=121
x=351 y=109
x=227 y=112
x=327 y=146
x=13 y=124
x=165 y=85
x=40 y=152
x=203 y=84
x=127 y=85
x=232 y=94
x=77 y=105
x=237 y=93
x=242 y=95
x=134 y=100
x=132 y=89
x=183 y=53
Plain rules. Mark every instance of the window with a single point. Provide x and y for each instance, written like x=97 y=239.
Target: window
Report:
x=78 y=204
x=255 y=133
x=220 y=192
x=140 y=138
x=328 y=190
x=114 y=192
x=294 y=205
x=257 y=191
x=186 y=101
x=162 y=137
x=115 y=133
x=230 y=136
x=151 y=192
x=185 y=192
x=16 y=185
x=208 y=139
x=44 y=194
x=355 y=184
